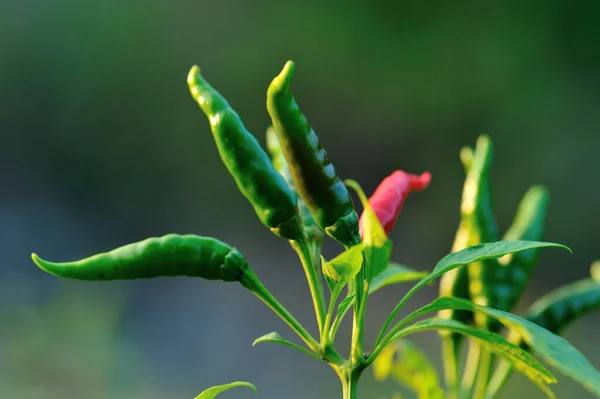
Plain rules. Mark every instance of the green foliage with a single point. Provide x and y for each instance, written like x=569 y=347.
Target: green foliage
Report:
x=394 y=274
x=212 y=393
x=552 y=348
x=300 y=167
x=407 y=364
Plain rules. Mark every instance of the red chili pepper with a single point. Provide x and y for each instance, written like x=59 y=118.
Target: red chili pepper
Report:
x=389 y=196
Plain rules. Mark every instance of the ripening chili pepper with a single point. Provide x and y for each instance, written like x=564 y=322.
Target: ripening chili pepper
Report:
x=170 y=255
x=314 y=176
x=388 y=198
x=313 y=232
x=514 y=271
x=273 y=201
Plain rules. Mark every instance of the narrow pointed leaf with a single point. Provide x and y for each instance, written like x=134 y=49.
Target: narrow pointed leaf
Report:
x=554 y=312
x=553 y=349
x=213 y=392
x=492 y=250
x=395 y=274
x=276 y=338
x=517 y=357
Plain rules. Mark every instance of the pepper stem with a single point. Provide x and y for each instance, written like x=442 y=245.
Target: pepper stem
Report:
x=251 y=281
x=450 y=359
x=471 y=368
x=312 y=276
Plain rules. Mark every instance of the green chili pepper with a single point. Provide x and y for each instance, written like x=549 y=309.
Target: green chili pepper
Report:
x=170 y=255
x=456 y=282
x=313 y=232
x=559 y=308
x=272 y=199
x=314 y=176
x=477 y=225
x=514 y=271
x=477 y=212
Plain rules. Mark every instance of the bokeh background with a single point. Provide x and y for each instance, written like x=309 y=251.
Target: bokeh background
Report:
x=101 y=145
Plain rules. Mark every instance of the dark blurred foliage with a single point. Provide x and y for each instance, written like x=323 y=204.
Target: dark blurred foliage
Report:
x=101 y=145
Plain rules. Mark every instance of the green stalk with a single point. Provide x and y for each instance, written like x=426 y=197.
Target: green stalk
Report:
x=471 y=368
x=326 y=338
x=349 y=377
x=251 y=281
x=359 y=326
x=450 y=355
x=503 y=371
x=313 y=277
x=358 y=319
x=483 y=374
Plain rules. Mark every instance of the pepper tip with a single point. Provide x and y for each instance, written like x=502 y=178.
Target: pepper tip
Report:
x=36 y=259
x=194 y=71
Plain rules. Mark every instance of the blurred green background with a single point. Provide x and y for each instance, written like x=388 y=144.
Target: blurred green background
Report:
x=102 y=145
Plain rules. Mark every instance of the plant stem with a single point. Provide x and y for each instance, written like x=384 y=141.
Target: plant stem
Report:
x=483 y=375
x=251 y=281
x=349 y=378
x=313 y=277
x=503 y=371
x=361 y=285
x=471 y=368
x=325 y=336
x=450 y=359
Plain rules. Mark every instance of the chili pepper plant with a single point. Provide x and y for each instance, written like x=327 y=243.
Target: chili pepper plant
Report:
x=297 y=193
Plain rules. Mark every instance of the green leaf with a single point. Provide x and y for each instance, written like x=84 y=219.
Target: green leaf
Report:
x=378 y=247
x=552 y=348
x=395 y=274
x=344 y=267
x=554 y=312
x=276 y=338
x=411 y=368
x=517 y=357
x=492 y=250
x=213 y=392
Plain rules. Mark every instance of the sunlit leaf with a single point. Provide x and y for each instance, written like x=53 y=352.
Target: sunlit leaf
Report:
x=552 y=348
x=274 y=337
x=395 y=274
x=344 y=267
x=378 y=247
x=492 y=250
x=213 y=392
x=517 y=357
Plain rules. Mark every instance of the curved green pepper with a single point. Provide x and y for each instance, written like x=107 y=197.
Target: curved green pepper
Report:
x=170 y=255
x=313 y=232
x=477 y=212
x=273 y=201
x=514 y=271
x=314 y=176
